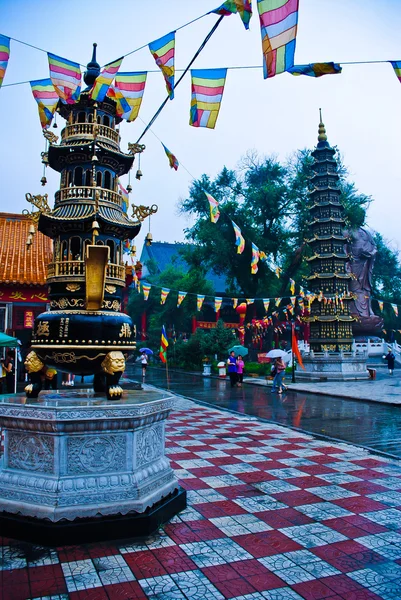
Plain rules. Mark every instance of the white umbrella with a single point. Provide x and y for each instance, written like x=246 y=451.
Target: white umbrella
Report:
x=279 y=354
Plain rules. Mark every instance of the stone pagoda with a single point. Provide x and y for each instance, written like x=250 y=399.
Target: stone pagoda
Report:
x=330 y=318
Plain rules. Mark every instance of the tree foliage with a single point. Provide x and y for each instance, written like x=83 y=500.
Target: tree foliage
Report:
x=268 y=200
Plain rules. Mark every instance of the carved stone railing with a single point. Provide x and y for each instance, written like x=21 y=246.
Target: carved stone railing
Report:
x=84 y=131
x=66 y=268
x=87 y=193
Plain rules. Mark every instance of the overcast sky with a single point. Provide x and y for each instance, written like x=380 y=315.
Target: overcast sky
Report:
x=361 y=107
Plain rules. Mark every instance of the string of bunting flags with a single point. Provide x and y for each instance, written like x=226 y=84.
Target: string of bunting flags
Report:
x=278 y=25
x=303 y=299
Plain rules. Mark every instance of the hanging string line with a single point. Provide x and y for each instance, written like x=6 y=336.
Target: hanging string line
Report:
x=235 y=68
x=163 y=104
x=124 y=55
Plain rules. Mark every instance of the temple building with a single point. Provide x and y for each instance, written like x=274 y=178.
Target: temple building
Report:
x=23 y=293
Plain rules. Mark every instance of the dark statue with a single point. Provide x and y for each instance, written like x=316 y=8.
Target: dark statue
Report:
x=362 y=251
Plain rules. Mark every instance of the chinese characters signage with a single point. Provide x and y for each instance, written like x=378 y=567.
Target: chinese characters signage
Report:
x=20 y=294
x=29 y=319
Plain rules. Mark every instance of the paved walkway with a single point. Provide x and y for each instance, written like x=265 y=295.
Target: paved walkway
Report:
x=273 y=514
x=385 y=388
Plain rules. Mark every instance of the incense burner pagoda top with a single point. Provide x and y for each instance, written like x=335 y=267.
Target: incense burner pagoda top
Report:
x=85 y=331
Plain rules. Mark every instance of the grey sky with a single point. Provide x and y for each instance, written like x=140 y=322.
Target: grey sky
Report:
x=361 y=107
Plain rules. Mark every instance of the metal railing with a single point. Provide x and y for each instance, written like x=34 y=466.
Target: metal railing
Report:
x=87 y=193
x=86 y=131
x=76 y=268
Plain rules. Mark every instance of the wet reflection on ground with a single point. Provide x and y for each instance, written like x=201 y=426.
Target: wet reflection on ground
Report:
x=376 y=426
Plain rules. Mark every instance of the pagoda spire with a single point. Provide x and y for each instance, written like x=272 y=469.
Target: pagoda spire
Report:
x=330 y=318
x=322 y=137
x=92 y=69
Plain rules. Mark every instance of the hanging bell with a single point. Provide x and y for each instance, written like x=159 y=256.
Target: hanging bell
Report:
x=138 y=174
x=31 y=229
x=129 y=188
x=55 y=125
x=95 y=158
x=43 y=181
x=148 y=239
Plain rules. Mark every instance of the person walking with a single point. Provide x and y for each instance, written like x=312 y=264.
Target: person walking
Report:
x=278 y=385
x=232 y=368
x=390 y=358
x=144 y=363
x=240 y=370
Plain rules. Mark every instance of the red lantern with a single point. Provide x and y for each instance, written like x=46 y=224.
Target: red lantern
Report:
x=241 y=311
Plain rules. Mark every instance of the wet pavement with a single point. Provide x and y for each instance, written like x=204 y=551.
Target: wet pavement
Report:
x=372 y=425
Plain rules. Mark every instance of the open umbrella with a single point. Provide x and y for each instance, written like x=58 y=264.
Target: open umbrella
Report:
x=239 y=350
x=6 y=341
x=279 y=354
x=146 y=350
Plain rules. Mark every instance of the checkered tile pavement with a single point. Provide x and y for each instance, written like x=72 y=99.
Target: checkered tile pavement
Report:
x=273 y=514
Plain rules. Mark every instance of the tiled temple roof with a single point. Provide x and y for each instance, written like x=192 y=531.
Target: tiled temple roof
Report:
x=18 y=265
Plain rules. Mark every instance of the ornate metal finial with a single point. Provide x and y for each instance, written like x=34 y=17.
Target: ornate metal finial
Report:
x=135 y=148
x=322 y=137
x=142 y=212
x=41 y=204
x=92 y=69
x=50 y=136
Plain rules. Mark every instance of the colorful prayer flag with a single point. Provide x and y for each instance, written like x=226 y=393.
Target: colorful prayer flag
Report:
x=122 y=106
x=207 y=92
x=395 y=309
x=396 y=64
x=250 y=301
x=316 y=69
x=4 y=56
x=146 y=289
x=171 y=158
x=124 y=197
x=381 y=304
x=278 y=301
x=255 y=259
x=295 y=349
x=239 y=240
x=230 y=7
x=103 y=81
x=66 y=78
x=266 y=304
x=292 y=286
x=217 y=304
x=47 y=98
x=214 y=208
x=235 y=303
x=163 y=52
x=301 y=291
x=163 y=346
x=164 y=293
x=278 y=271
x=278 y=24
x=293 y=300
x=132 y=87
x=199 y=301
x=181 y=296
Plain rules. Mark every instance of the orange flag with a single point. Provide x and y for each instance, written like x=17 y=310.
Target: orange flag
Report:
x=295 y=349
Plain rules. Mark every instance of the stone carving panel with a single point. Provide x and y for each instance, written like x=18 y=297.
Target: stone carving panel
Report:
x=96 y=454
x=150 y=444
x=30 y=452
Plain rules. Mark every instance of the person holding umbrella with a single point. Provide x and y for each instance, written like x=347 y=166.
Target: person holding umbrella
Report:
x=279 y=375
x=144 y=360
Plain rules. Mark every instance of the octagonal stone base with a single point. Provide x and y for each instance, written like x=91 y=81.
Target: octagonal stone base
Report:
x=332 y=367
x=73 y=455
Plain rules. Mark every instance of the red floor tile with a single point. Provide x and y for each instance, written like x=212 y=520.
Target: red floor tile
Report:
x=359 y=504
x=144 y=564
x=220 y=573
x=47 y=581
x=92 y=594
x=313 y=590
x=234 y=587
x=174 y=560
x=180 y=533
x=125 y=591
